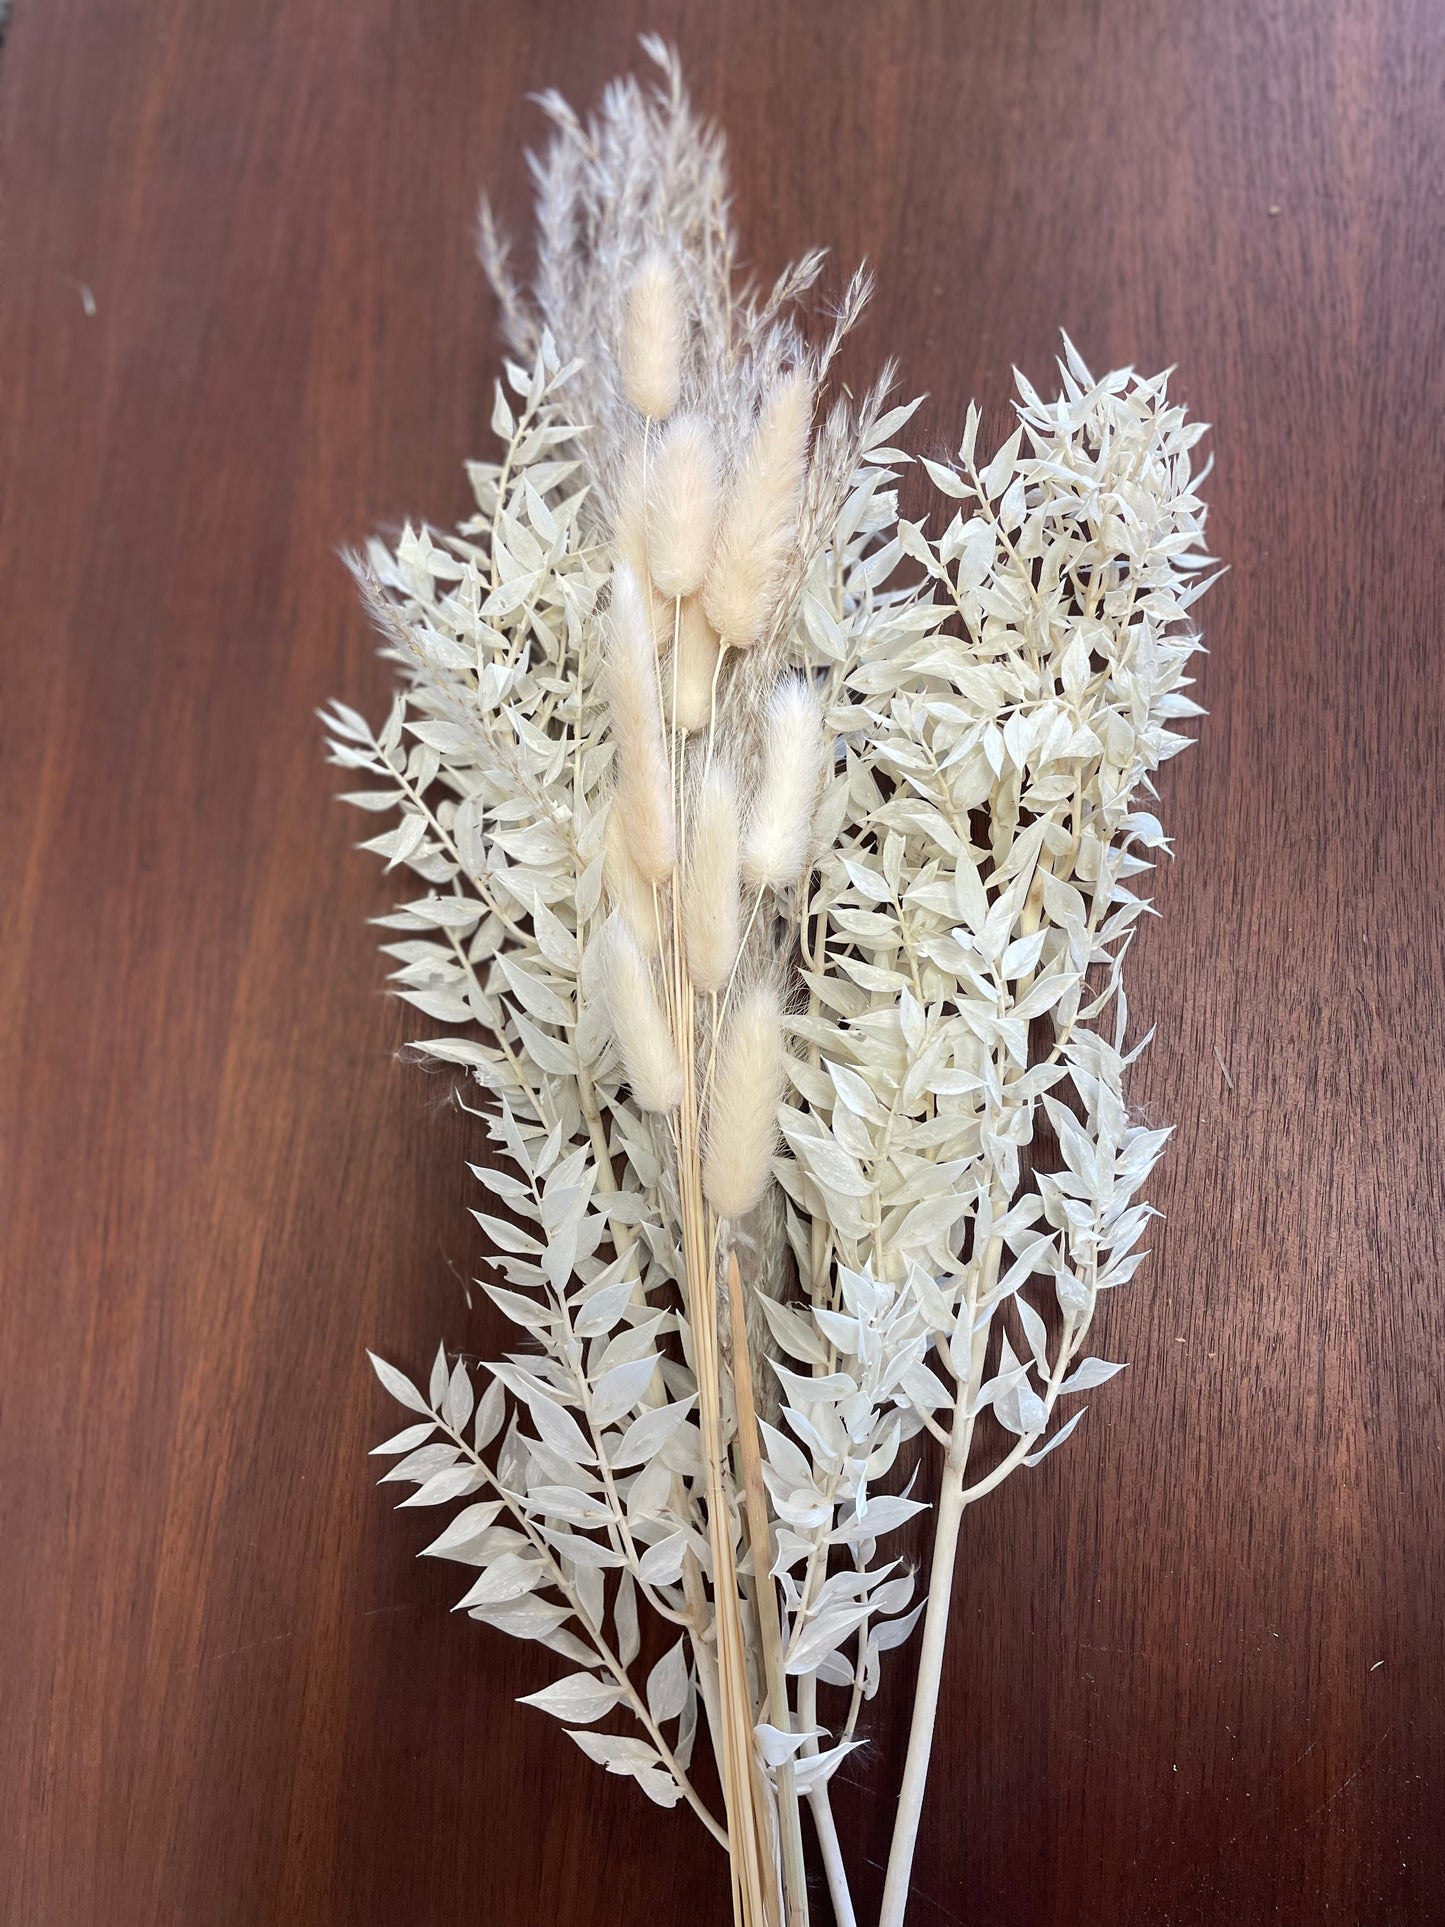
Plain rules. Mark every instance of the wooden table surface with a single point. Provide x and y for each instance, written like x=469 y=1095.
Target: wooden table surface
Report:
x=1198 y=1675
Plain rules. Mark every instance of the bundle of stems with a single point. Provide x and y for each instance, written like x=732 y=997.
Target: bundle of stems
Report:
x=775 y=856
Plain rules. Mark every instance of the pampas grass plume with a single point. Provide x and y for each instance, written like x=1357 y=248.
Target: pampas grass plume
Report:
x=759 y=524
x=652 y=337
x=639 y=1027
x=742 y=1127
x=781 y=821
x=682 y=506
x=710 y=895
x=643 y=797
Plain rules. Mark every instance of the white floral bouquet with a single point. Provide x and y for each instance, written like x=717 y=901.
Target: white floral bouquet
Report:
x=774 y=861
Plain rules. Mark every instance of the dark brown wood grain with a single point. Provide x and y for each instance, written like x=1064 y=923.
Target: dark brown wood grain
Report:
x=1198 y=1672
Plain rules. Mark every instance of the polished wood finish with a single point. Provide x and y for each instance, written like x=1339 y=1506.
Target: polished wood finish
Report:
x=1198 y=1675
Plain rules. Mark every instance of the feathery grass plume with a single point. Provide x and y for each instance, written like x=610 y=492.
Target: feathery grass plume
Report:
x=639 y=1025
x=690 y=678
x=998 y=699
x=627 y=890
x=653 y=340
x=760 y=519
x=710 y=908
x=644 y=782
x=742 y=1128
x=682 y=493
x=780 y=822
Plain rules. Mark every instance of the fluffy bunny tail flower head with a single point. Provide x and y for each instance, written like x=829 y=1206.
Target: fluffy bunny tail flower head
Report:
x=682 y=506
x=710 y=901
x=781 y=823
x=652 y=338
x=743 y=1125
x=644 y=784
x=759 y=524
x=639 y=1026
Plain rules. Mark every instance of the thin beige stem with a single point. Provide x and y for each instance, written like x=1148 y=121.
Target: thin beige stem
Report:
x=930 y=1673
x=953 y=1499
x=756 y=1895
x=722 y=650
x=821 y=1808
x=795 y=1879
x=756 y=1891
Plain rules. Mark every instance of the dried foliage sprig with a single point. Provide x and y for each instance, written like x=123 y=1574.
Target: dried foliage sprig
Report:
x=776 y=860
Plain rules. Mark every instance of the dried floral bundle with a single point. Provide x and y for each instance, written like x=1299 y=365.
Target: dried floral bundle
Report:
x=775 y=860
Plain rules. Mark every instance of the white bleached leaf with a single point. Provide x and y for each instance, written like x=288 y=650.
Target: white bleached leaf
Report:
x=454 y=1483
x=658 y=1785
x=569 y=1502
x=1058 y=1438
x=1035 y=1331
x=420 y=1465
x=522 y=1618
x=823 y=1635
x=815 y=1770
x=776 y=1748
x=945 y=480
x=895 y=1632
x=617 y=1754
x=406 y=1441
x=885 y=1514
x=624 y=1618
x=793 y=1331
x=667 y=1684
x=399 y=1385
x=557 y=1427
x=506 y=1579
x=974 y=549
x=995 y=478
x=457 y=1403
x=661 y=1564
x=648 y=1433
x=439 y=1376
x=580 y=1697
x=491 y=1410
x=464 y=1530
x=619 y=1390
x=1088 y=1374
x=602 y=1309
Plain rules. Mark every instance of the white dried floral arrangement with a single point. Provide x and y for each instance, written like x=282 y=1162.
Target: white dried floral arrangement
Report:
x=774 y=862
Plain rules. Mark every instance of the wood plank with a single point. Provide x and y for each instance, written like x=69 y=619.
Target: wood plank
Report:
x=1198 y=1675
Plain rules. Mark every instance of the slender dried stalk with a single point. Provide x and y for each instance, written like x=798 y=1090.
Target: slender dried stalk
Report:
x=760 y=1541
